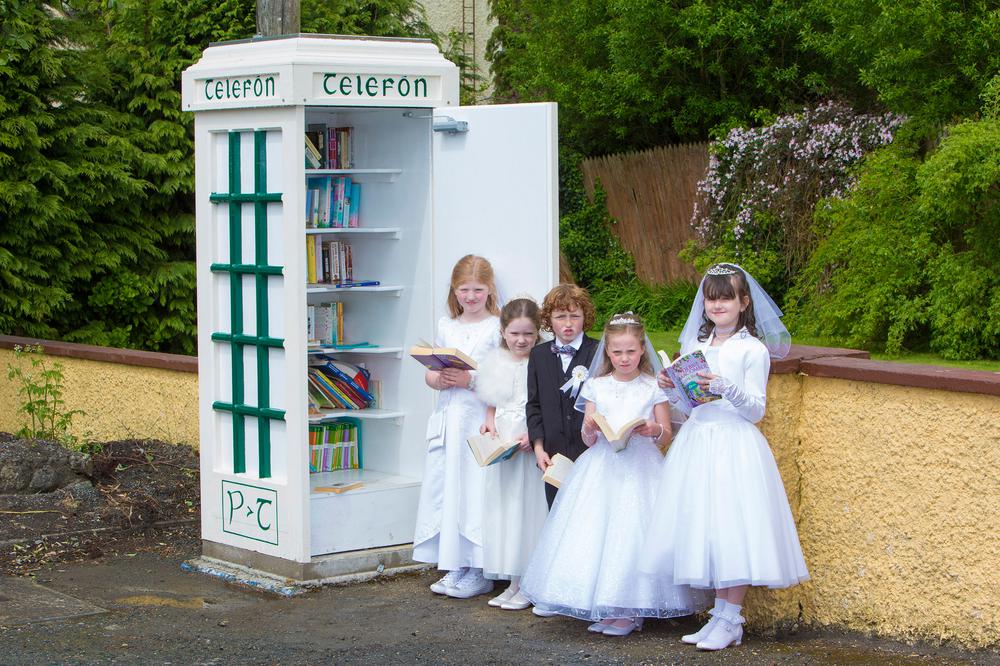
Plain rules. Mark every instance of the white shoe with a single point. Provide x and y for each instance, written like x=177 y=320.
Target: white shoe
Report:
x=597 y=627
x=502 y=598
x=517 y=602
x=543 y=613
x=472 y=584
x=701 y=634
x=634 y=624
x=728 y=631
x=449 y=580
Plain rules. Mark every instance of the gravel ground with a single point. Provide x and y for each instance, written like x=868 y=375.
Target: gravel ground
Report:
x=158 y=614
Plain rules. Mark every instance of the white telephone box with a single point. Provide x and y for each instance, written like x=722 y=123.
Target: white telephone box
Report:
x=436 y=181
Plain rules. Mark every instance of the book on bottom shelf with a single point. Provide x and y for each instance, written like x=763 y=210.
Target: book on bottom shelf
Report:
x=339 y=488
x=558 y=471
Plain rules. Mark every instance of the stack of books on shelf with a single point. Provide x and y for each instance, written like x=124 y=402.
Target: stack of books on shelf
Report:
x=340 y=147
x=325 y=323
x=334 y=445
x=329 y=147
x=332 y=202
x=336 y=384
x=329 y=262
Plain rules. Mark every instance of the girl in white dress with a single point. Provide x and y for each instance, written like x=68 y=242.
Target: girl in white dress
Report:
x=514 y=503
x=722 y=519
x=586 y=562
x=449 y=517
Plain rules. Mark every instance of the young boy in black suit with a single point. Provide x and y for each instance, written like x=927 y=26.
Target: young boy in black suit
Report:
x=553 y=424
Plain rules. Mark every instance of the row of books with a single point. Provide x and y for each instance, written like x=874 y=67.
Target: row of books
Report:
x=332 y=202
x=337 y=384
x=334 y=445
x=329 y=147
x=325 y=323
x=329 y=262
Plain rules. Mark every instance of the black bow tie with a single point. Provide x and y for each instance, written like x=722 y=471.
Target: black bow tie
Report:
x=568 y=350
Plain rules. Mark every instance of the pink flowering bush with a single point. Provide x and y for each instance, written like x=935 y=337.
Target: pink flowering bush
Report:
x=756 y=201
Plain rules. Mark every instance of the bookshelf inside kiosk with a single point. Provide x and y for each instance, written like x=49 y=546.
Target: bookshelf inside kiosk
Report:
x=272 y=306
x=390 y=161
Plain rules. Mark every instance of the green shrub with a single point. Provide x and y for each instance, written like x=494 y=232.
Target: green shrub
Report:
x=908 y=259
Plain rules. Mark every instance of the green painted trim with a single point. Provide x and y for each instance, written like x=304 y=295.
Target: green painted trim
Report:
x=248 y=340
x=248 y=269
x=260 y=270
x=249 y=410
x=236 y=301
x=260 y=283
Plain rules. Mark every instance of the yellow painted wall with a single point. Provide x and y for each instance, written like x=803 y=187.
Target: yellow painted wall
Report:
x=120 y=401
x=895 y=490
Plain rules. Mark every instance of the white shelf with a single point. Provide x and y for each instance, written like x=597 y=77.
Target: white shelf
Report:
x=381 y=175
x=374 y=481
x=397 y=351
x=370 y=413
x=331 y=289
x=392 y=232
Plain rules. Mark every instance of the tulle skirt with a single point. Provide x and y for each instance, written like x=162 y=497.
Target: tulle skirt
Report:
x=514 y=512
x=586 y=562
x=721 y=516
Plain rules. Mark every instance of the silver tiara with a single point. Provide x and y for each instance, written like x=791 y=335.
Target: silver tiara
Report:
x=719 y=269
x=523 y=295
x=624 y=318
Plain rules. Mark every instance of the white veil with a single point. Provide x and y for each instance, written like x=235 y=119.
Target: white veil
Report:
x=770 y=330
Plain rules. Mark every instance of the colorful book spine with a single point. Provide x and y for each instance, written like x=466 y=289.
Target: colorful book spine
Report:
x=335 y=445
x=355 y=205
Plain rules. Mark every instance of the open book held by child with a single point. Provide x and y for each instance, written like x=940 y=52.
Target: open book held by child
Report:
x=489 y=449
x=618 y=439
x=557 y=472
x=683 y=372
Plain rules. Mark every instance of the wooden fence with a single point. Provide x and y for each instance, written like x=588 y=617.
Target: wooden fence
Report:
x=651 y=195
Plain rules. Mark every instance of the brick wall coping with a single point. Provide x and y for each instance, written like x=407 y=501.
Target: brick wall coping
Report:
x=107 y=354
x=831 y=362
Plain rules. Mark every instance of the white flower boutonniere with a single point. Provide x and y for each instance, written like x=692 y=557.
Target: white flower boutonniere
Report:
x=577 y=378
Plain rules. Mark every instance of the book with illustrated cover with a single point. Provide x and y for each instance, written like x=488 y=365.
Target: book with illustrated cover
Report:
x=683 y=372
x=558 y=471
x=439 y=358
x=489 y=449
x=617 y=438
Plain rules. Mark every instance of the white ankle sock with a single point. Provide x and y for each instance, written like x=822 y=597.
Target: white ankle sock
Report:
x=720 y=605
x=733 y=609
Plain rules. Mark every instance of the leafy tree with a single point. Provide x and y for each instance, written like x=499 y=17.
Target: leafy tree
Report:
x=638 y=74
x=925 y=58
x=63 y=159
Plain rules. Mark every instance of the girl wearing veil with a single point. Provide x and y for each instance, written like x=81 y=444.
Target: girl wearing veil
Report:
x=721 y=518
x=586 y=562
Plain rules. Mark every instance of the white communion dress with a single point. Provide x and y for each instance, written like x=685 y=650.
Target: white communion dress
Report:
x=449 y=517
x=586 y=562
x=722 y=517
x=514 y=508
